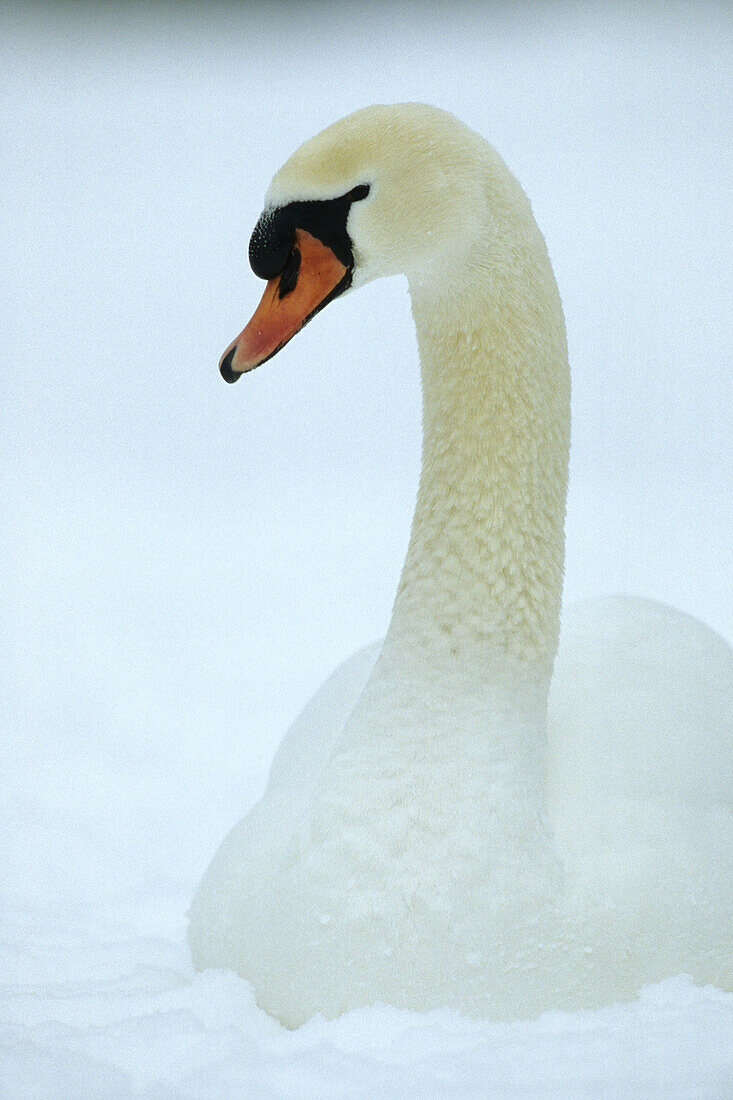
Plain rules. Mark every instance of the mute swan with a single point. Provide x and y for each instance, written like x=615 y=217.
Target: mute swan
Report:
x=433 y=833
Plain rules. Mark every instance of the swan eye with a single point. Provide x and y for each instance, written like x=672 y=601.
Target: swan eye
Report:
x=289 y=276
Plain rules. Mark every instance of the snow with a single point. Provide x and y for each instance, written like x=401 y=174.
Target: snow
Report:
x=100 y=1012
x=175 y=584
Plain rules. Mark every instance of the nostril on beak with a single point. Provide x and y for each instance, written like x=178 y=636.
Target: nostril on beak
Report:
x=225 y=367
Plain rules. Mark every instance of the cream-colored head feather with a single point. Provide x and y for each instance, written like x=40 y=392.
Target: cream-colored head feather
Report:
x=425 y=197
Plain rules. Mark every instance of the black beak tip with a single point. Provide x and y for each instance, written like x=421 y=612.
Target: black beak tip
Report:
x=225 y=367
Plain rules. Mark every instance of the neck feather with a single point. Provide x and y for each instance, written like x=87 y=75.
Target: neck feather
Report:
x=483 y=572
x=452 y=723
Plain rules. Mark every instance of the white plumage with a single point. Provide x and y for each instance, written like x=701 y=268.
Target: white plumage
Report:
x=435 y=832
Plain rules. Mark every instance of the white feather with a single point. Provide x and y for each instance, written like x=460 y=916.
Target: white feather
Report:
x=432 y=834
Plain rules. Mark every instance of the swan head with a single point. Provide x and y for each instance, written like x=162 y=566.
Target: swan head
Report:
x=389 y=189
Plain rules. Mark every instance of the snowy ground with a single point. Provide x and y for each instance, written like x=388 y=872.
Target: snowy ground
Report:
x=123 y=1016
x=183 y=562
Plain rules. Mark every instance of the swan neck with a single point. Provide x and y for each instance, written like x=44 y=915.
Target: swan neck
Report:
x=483 y=572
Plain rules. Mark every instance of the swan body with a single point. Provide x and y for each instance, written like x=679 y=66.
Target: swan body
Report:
x=448 y=823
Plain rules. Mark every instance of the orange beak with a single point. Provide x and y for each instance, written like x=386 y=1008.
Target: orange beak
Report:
x=310 y=279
